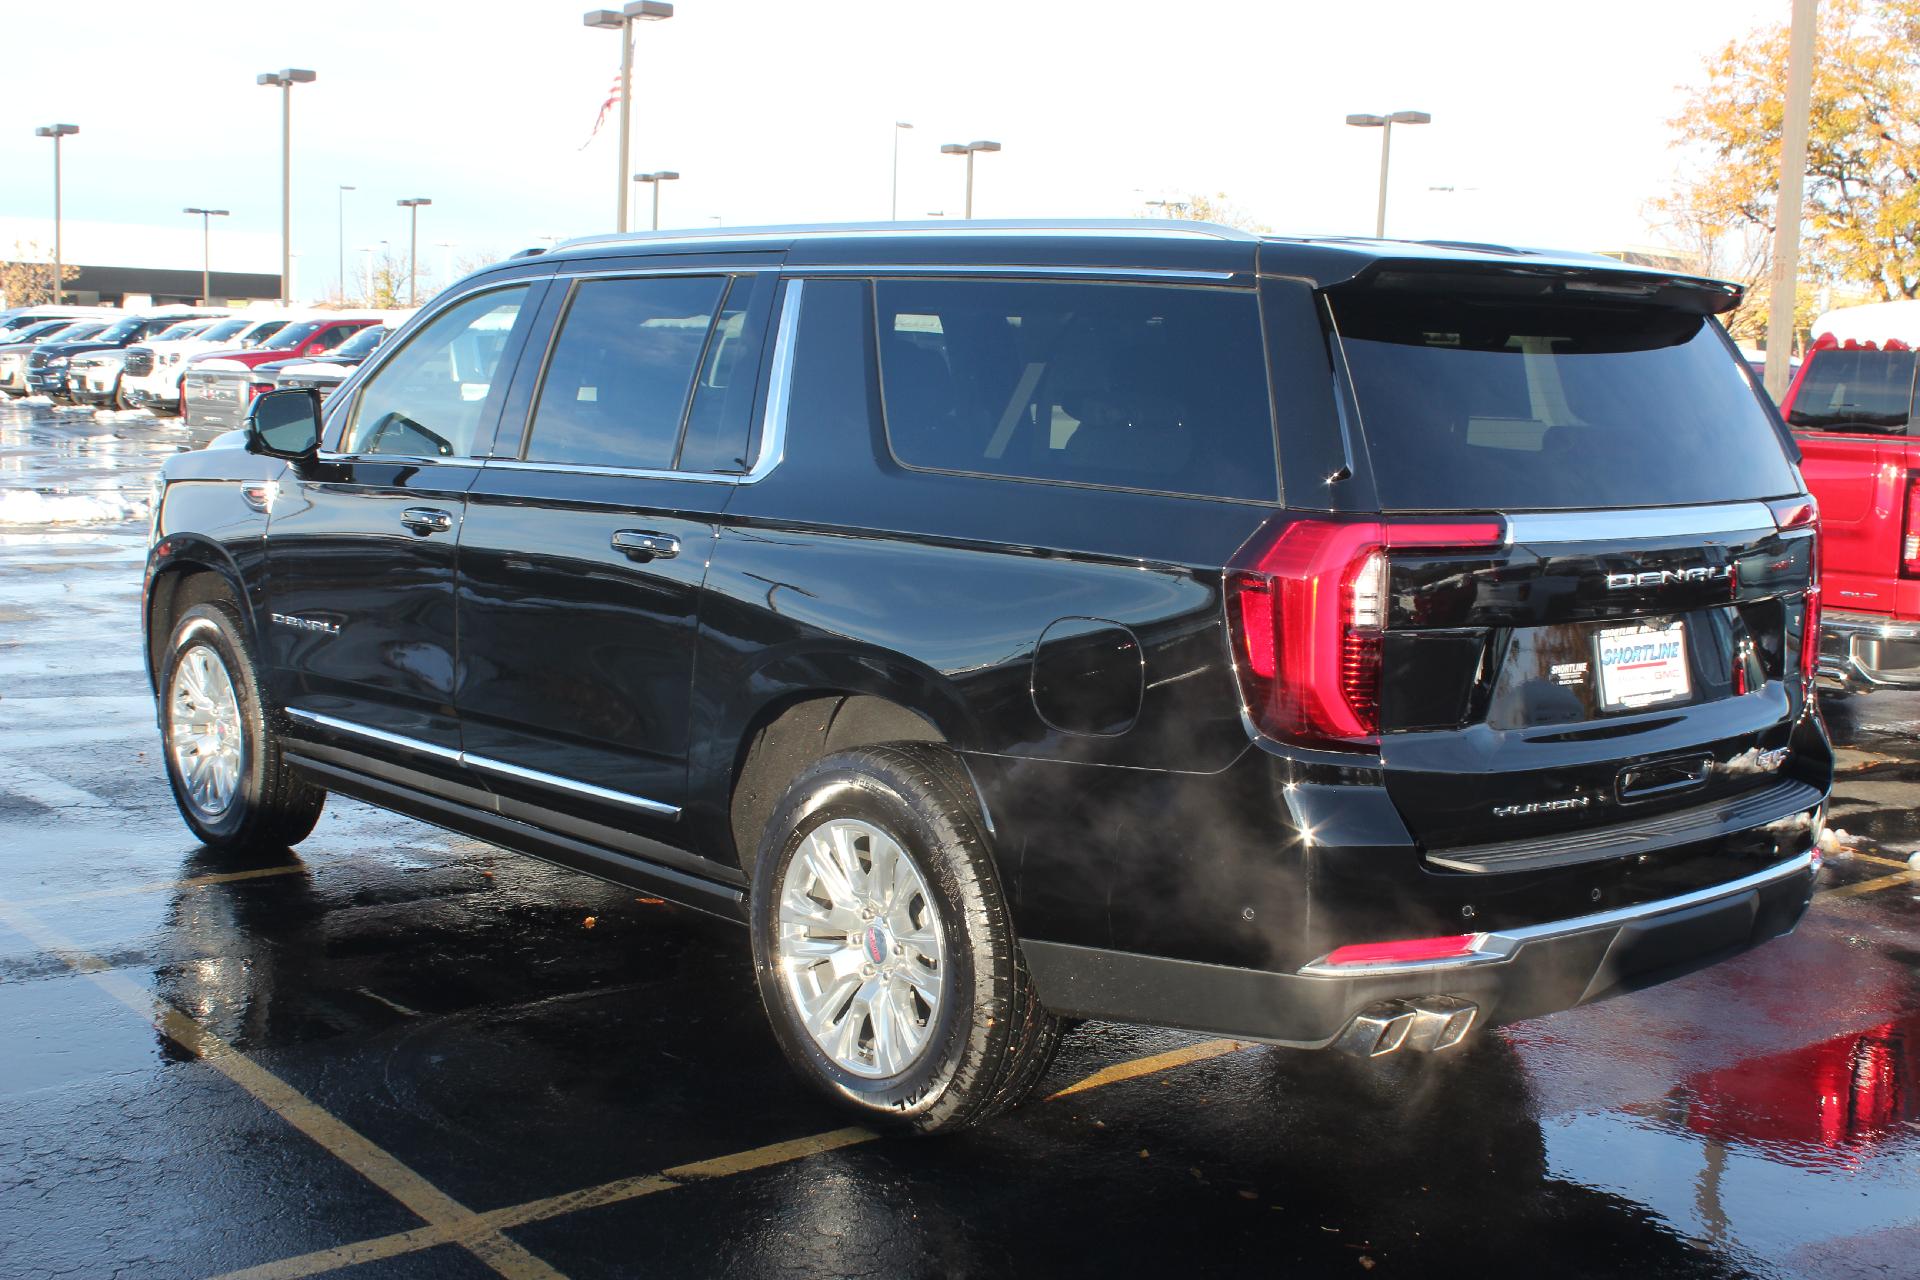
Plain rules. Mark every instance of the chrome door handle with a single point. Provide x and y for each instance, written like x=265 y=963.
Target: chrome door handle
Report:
x=638 y=544
x=425 y=520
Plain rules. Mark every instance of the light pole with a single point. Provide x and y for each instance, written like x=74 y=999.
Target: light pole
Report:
x=893 y=214
x=206 y=251
x=284 y=79
x=1793 y=176
x=1385 y=125
x=341 y=198
x=665 y=175
x=412 y=206
x=56 y=132
x=967 y=149
x=622 y=20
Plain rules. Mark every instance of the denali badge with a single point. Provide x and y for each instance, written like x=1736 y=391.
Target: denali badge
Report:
x=1666 y=577
x=1541 y=806
x=306 y=624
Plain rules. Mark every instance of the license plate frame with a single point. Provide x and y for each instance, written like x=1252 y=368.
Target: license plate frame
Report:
x=1642 y=665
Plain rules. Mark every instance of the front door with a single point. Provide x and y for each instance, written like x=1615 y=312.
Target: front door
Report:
x=586 y=545
x=359 y=613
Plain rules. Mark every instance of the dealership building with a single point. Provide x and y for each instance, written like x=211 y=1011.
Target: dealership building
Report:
x=129 y=264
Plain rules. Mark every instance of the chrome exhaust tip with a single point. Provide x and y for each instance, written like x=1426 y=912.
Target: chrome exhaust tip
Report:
x=1425 y=1024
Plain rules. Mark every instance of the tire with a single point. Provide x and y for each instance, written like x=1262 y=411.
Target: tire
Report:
x=118 y=398
x=985 y=1042
x=266 y=807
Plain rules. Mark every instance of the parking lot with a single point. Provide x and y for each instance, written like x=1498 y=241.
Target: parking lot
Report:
x=409 y=1053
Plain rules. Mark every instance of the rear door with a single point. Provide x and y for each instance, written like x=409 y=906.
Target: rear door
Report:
x=1618 y=654
x=359 y=615
x=1852 y=409
x=587 y=541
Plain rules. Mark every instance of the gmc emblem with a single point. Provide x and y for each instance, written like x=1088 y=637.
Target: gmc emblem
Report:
x=1667 y=577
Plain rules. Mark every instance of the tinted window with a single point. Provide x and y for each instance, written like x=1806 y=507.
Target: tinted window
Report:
x=292 y=336
x=128 y=328
x=1482 y=404
x=428 y=399
x=1136 y=386
x=257 y=336
x=616 y=387
x=225 y=329
x=1853 y=390
x=720 y=420
x=363 y=341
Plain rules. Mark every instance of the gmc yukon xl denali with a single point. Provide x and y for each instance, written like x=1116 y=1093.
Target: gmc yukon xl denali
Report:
x=1852 y=409
x=1326 y=642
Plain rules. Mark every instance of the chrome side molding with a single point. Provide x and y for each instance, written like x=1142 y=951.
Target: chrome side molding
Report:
x=1640 y=524
x=483 y=764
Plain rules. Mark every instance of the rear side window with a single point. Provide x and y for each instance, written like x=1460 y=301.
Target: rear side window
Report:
x=1487 y=404
x=616 y=388
x=1128 y=386
x=1855 y=390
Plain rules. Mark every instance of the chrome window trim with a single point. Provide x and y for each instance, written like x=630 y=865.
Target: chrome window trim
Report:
x=1639 y=523
x=484 y=763
x=1495 y=948
x=1122 y=229
x=588 y=469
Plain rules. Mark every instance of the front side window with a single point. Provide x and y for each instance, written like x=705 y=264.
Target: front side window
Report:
x=1855 y=390
x=292 y=336
x=1127 y=386
x=428 y=399
x=617 y=386
x=225 y=329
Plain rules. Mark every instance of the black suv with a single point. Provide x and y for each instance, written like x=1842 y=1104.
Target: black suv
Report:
x=1319 y=641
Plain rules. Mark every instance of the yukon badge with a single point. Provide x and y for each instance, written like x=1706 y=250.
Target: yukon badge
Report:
x=1541 y=806
x=1667 y=577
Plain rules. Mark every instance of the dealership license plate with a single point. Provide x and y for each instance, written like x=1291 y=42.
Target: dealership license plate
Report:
x=1640 y=666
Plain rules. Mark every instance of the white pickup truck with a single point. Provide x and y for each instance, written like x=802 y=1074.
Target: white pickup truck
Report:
x=153 y=371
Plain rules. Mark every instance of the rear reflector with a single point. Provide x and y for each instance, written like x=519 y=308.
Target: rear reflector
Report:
x=1308 y=609
x=1449 y=947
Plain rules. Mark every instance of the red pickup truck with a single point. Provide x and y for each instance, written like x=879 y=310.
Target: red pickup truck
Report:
x=1851 y=407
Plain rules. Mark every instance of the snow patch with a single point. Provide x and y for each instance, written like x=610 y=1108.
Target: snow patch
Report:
x=1914 y=862
x=25 y=507
x=35 y=402
x=121 y=415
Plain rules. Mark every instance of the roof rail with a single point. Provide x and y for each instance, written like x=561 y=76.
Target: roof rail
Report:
x=976 y=227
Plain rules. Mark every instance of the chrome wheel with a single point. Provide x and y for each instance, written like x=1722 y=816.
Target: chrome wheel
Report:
x=203 y=731
x=859 y=947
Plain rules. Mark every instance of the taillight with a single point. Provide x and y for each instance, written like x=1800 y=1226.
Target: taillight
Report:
x=1810 y=624
x=1308 y=612
x=1910 y=536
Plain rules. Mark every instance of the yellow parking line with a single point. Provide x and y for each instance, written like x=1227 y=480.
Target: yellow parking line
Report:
x=459 y=1224
x=1871 y=886
x=1876 y=858
x=403 y=1242
x=160 y=886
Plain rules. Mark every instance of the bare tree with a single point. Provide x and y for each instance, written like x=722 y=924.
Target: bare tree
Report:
x=26 y=279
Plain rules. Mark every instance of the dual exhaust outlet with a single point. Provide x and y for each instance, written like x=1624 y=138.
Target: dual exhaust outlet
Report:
x=1424 y=1024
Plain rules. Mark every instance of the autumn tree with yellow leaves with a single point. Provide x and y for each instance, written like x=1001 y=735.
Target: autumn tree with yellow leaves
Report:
x=1862 y=217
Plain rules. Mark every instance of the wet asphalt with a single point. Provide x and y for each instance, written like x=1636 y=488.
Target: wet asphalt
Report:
x=409 y=1053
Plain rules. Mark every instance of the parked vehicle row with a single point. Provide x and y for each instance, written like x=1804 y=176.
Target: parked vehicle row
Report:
x=1852 y=409
x=1322 y=641
x=49 y=363
x=218 y=387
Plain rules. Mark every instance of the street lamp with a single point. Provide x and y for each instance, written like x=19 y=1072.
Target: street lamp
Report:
x=622 y=20
x=341 y=199
x=412 y=206
x=664 y=175
x=967 y=149
x=894 y=211
x=284 y=79
x=1385 y=125
x=56 y=132
x=206 y=251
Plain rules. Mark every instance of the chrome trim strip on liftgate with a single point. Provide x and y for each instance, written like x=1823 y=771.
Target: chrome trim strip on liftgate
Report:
x=486 y=765
x=1639 y=523
x=1491 y=948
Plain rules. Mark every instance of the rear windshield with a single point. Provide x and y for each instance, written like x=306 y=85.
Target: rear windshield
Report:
x=225 y=329
x=1128 y=386
x=292 y=336
x=1491 y=404
x=1855 y=390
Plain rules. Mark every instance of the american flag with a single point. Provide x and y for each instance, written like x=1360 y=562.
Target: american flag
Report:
x=613 y=100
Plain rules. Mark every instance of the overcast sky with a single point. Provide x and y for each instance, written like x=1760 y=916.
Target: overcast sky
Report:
x=1549 y=118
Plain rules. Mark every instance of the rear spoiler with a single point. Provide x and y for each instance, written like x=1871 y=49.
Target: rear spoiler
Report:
x=1696 y=295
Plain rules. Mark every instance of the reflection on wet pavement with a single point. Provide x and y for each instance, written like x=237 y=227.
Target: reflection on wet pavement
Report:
x=610 y=1100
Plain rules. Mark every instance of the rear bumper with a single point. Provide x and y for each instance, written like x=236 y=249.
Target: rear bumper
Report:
x=1863 y=651
x=1512 y=974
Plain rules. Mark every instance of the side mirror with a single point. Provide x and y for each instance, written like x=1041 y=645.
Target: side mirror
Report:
x=285 y=424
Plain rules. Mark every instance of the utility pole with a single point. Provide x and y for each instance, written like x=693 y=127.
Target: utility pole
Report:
x=1793 y=174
